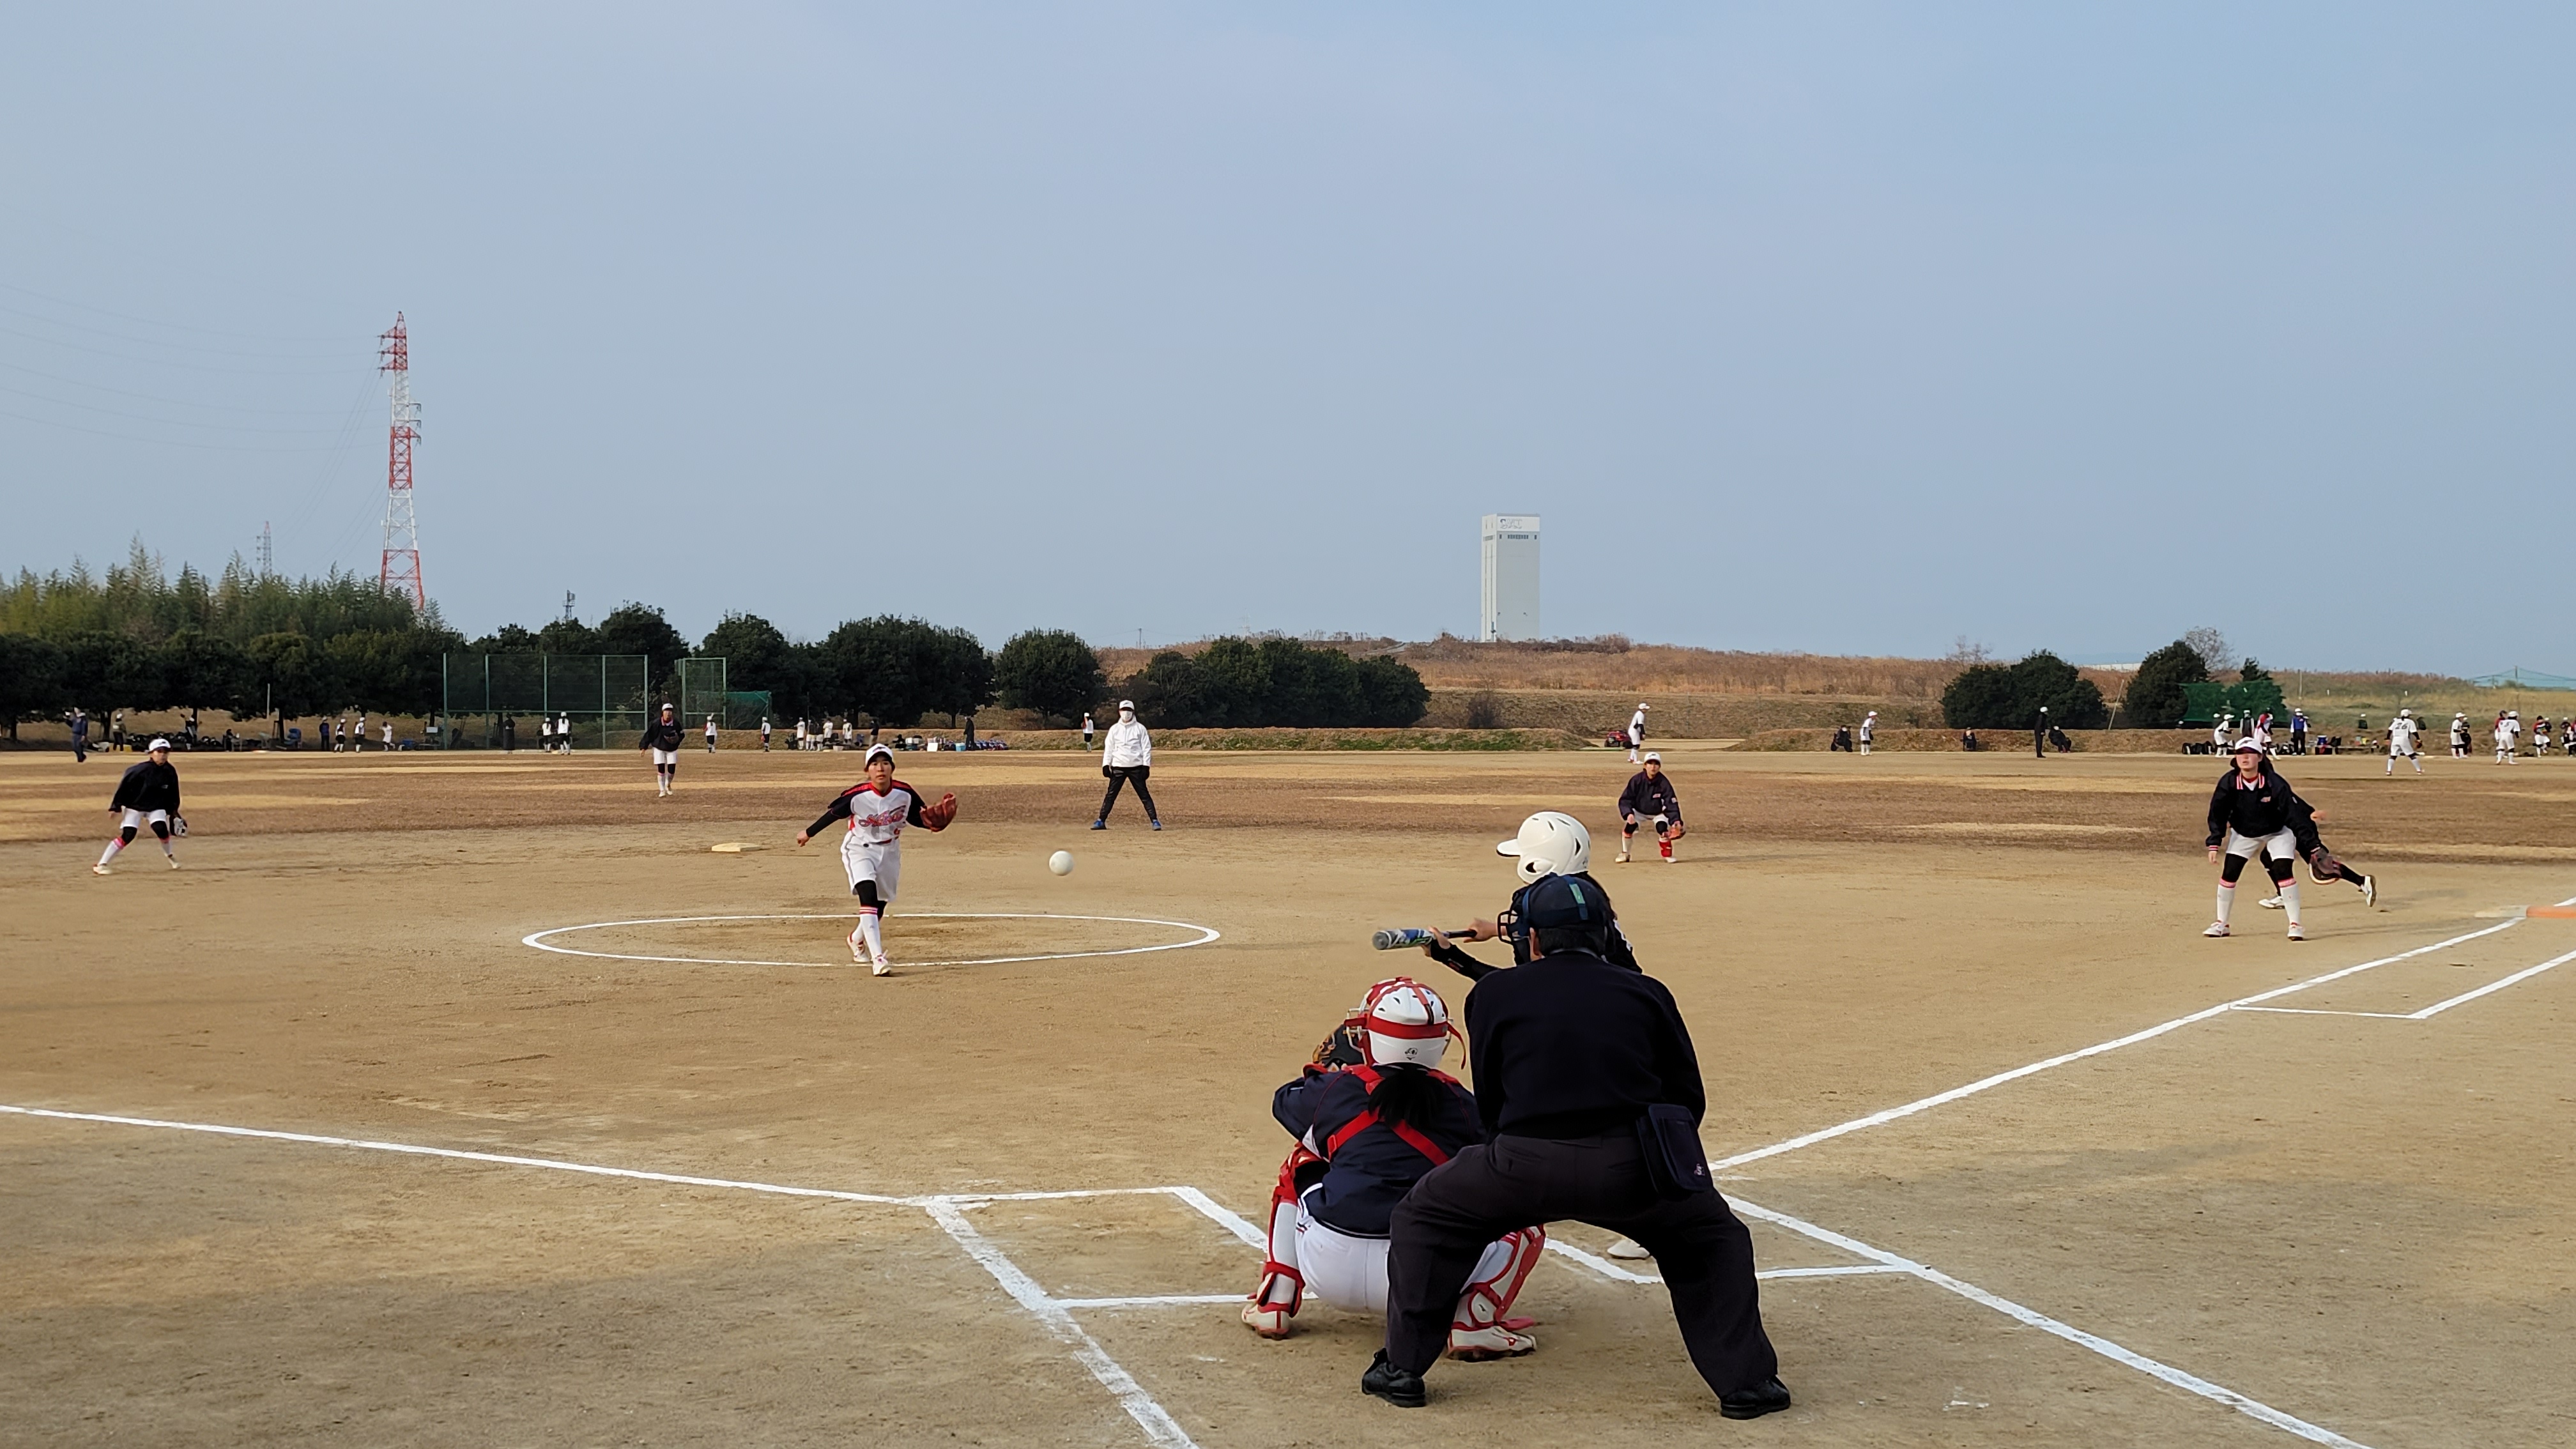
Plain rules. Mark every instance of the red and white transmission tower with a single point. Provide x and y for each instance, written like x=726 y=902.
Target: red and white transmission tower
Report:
x=402 y=533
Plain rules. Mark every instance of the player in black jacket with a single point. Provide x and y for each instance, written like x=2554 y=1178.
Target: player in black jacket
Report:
x=147 y=793
x=2252 y=812
x=663 y=738
x=1650 y=799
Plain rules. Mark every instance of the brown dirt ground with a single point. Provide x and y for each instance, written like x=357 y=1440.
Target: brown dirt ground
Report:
x=2360 y=1221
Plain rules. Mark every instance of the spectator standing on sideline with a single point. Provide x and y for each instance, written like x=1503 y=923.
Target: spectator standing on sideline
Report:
x=1127 y=758
x=1590 y=1094
x=2039 y=733
x=116 y=733
x=2298 y=732
x=80 y=737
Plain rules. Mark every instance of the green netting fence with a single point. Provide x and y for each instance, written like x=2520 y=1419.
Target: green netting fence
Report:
x=518 y=701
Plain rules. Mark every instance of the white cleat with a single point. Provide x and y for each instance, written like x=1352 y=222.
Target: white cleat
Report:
x=1629 y=1249
x=2270 y=903
x=2370 y=890
x=1476 y=1345
x=100 y=870
x=174 y=862
x=2296 y=934
x=2216 y=928
x=858 y=950
x=1270 y=1320
x=880 y=967
x=1622 y=860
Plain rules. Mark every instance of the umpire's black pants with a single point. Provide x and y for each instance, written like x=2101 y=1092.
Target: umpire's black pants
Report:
x=1444 y=1224
x=1128 y=775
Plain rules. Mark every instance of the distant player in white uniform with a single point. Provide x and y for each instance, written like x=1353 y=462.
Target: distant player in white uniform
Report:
x=2506 y=726
x=711 y=734
x=1868 y=730
x=1636 y=732
x=878 y=808
x=764 y=734
x=2401 y=740
x=2460 y=735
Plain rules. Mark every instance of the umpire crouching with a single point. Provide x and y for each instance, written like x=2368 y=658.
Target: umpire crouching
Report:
x=1570 y=1054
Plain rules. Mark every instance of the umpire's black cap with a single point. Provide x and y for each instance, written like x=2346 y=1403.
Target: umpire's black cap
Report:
x=1560 y=901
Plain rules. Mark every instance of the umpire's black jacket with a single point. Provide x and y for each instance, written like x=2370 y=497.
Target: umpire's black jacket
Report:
x=1571 y=1046
x=152 y=785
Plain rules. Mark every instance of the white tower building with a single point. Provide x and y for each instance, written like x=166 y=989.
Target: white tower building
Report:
x=1511 y=577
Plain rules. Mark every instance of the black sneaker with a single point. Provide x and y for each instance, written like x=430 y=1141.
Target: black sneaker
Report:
x=1767 y=1397
x=1403 y=1388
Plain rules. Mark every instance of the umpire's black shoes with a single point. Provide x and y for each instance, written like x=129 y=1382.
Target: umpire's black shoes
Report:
x=1403 y=1388
x=1767 y=1397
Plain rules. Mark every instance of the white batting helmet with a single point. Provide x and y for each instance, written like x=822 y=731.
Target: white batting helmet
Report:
x=1407 y=1023
x=1550 y=843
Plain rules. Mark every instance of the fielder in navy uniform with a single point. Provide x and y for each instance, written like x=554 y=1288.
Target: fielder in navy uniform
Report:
x=1649 y=799
x=1371 y=1114
x=148 y=794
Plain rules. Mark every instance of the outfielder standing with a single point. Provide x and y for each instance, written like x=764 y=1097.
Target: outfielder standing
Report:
x=1636 y=732
x=1868 y=732
x=2251 y=813
x=1127 y=758
x=662 y=739
x=1650 y=799
x=711 y=734
x=147 y=793
x=2460 y=735
x=878 y=808
x=2401 y=741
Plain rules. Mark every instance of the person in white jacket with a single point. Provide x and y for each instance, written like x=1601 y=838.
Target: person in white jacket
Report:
x=1127 y=757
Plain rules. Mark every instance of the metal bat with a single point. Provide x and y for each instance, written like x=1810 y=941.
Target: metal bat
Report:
x=1397 y=938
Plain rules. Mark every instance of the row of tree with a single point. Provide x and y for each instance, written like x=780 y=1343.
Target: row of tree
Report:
x=257 y=645
x=2009 y=696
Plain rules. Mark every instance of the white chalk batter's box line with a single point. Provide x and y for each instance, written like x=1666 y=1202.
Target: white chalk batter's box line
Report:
x=2438 y=1007
x=1056 y=1315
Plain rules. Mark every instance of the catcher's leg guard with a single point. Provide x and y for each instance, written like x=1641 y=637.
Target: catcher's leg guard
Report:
x=1283 y=1287
x=1480 y=1330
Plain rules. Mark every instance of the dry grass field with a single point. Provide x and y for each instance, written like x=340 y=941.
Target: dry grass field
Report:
x=306 y=1144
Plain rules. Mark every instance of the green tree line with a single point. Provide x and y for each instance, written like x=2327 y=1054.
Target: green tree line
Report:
x=261 y=645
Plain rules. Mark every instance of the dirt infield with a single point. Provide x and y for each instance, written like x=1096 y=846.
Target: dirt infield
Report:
x=2341 y=1212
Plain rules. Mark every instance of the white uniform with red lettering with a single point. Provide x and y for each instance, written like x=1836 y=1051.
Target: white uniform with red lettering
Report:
x=873 y=848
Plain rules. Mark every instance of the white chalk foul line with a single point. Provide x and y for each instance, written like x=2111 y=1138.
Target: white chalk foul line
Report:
x=1987 y=1084
x=1055 y=1314
x=1206 y=934
x=2189 y=1382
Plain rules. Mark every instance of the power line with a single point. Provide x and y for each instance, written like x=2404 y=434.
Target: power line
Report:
x=156 y=322
x=153 y=341
x=172 y=401
x=189 y=366
x=165 y=422
x=162 y=442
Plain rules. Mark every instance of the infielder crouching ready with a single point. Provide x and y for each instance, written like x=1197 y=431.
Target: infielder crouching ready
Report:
x=878 y=808
x=1650 y=799
x=2250 y=813
x=147 y=794
x=1371 y=1114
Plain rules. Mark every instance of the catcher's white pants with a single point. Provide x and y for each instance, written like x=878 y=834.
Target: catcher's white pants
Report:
x=1350 y=1272
x=881 y=862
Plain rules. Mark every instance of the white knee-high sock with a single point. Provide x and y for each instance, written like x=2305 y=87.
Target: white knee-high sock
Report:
x=115 y=843
x=869 y=931
x=2226 y=901
x=2290 y=899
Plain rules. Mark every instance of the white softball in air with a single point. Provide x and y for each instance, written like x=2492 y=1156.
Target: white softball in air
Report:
x=1061 y=862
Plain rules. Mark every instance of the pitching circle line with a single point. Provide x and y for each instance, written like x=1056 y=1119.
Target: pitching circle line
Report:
x=1206 y=934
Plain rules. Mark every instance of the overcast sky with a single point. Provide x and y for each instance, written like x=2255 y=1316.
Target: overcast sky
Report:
x=1833 y=327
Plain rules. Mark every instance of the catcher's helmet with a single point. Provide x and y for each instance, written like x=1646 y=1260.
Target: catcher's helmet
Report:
x=1550 y=843
x=1407 y=1024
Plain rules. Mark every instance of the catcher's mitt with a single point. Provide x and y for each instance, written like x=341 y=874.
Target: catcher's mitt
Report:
x=1345 y=1045
x=936 y=816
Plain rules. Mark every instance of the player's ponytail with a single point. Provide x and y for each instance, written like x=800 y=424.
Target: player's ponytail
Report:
x=1409 y=1095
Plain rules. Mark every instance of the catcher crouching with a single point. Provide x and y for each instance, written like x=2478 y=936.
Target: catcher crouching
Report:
x=1372 y=1114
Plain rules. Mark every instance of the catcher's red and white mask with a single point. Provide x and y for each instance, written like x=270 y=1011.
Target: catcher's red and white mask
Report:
x=1407 y=1024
